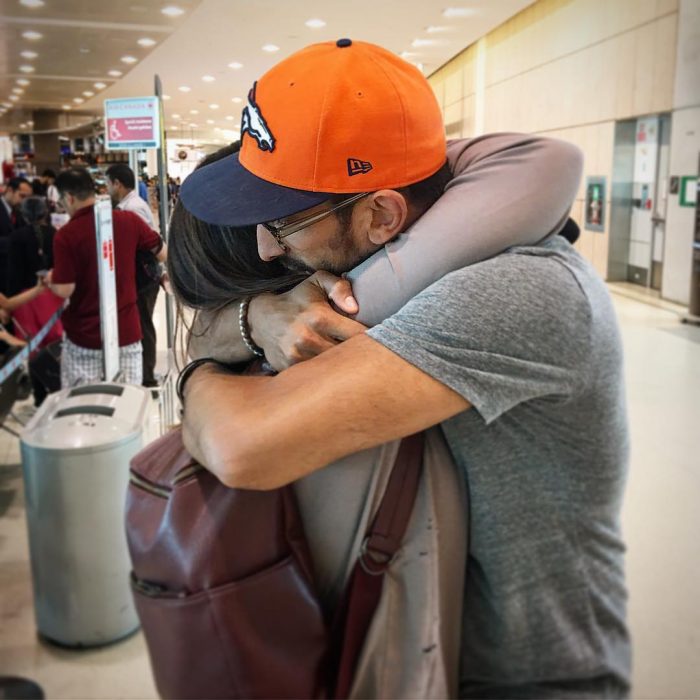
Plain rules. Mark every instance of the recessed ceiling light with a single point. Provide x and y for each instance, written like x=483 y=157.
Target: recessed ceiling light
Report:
x=453 y=12
x=165 y=97
x=88 y=93
x=184 y=88
x=315 y=23
x=146 y=41
x=30 y=122
x=115 y=73
x=193 y=124
x=22 y=81
x=437 y=30
x=66 y=106
x=172 y=11
x=236 y=100
x=22 y=126
x=210 y=121
x=235 y=65
x=100 y=86
x=84 y=49
x=409 y=54
x=229 y=118
x=14 y=98
x=32 y=3
x=32 y=35
x=208 y=78
x=7 y=105
x=270 y=48
x=129 y=59
x=29 y=54
x=194 y=111
x=78 y=100
x=418 y=43
x=18 y=91
x=27 y=69
x=213 y=106
x=176 y=116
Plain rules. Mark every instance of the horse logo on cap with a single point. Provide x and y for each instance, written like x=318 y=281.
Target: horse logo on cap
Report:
x=254 y=123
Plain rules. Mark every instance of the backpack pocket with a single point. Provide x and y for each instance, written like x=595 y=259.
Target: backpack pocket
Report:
x=267 y=632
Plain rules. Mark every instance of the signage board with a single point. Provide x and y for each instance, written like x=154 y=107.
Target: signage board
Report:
x=109 y=326
x=132 y=122
x=595 y=204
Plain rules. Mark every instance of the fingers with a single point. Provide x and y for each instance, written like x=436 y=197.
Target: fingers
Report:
x=338 y=290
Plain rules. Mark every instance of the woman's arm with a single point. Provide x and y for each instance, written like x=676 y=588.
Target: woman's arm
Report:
x=508 y=189
x=12 y=303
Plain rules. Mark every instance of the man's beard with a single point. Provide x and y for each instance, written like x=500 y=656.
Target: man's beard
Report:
x=349 y=256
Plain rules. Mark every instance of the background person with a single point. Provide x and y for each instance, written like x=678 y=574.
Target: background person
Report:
x=75 y=277
x=120 y=185
x=16 y=190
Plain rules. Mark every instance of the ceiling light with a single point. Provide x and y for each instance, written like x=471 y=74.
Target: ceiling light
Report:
x=32 y=3
x=66 y=106
x=27 y=69
x=165 y=97
x=88 y=93
x=213 y=106
x=210 y=121
x=100 y=86
x=18 y=91
x=193 y=124
x=418 y=43
x=409 y=54
x=315 y=23
x=236 y=100
x=7 y=105
x=235 y=65
x=78 y=100
x=172 y=11
x=184 y=88
x=32 y=35
x=146 y=41
x=229 y=118
x=14 y=98
x=29 y=54
x=175 y=116
x=208 y=78
x=270 y=48
x=129 y=59
x=30 y=122
x=194 y=111
x=22 y=126
x=115 y=73
x=84 y=49
x=452 y=12
x=22 y=81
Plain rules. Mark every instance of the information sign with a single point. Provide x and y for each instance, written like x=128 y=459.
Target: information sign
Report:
x=108 y=287
x=132 y=122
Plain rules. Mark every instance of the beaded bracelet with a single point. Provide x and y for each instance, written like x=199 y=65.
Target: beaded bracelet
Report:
x=245 y=332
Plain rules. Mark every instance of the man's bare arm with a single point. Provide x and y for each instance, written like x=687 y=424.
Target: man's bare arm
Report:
x=264 y=432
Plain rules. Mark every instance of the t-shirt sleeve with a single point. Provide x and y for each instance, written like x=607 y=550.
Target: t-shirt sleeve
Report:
x=148 y=238
x=498 y=333
x=63 y=261
x=507 y=190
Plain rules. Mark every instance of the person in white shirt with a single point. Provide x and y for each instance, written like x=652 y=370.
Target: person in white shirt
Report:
x=121 y=184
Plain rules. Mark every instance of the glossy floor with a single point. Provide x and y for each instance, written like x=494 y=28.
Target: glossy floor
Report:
x=661 y=522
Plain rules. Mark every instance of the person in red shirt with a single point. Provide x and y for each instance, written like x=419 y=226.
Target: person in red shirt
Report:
x=75 y=277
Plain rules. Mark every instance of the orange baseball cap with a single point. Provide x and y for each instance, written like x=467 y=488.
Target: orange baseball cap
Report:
x=336 y=117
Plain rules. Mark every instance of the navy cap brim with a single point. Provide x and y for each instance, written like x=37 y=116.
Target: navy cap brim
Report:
x=226 y=194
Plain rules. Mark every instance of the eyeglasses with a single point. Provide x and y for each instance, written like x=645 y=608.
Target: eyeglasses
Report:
x=281 y=230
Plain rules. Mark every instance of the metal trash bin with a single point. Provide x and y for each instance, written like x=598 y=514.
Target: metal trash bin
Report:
x=75 y=459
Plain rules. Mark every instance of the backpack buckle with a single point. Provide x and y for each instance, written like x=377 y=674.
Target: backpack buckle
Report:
x=373 y=562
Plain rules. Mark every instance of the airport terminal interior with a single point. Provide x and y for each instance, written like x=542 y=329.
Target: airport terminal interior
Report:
x=619 y=79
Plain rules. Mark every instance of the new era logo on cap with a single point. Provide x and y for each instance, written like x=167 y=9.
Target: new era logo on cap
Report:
x=358 y=167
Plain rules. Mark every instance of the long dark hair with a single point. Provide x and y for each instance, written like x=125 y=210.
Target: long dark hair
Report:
x=211 y=267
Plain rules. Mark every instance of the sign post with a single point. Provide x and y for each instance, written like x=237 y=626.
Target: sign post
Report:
x=109 y=326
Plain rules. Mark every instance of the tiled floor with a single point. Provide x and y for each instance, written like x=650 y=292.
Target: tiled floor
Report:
x=661 y=520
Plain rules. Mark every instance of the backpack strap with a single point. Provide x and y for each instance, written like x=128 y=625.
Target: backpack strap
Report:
x=383 y=539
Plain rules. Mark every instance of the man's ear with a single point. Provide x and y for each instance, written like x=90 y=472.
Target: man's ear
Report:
x=389 y=211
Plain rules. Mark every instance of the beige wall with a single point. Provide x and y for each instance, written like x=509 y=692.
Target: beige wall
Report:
x=568 y=69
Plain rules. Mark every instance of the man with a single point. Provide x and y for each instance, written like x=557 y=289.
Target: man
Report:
x=48 y=178
x=120 y=186
x=16 y=191
x=75 y=276
x=517 y=357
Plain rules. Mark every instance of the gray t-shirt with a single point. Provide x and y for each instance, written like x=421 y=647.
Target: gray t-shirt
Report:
x=530 y=339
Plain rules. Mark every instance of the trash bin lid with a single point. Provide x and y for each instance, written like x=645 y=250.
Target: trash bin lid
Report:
x=88 y=416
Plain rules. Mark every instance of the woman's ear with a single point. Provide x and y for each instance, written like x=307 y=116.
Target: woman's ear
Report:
x=389 y=211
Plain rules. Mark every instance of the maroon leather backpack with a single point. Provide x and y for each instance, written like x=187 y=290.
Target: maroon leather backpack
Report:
x=223 y=581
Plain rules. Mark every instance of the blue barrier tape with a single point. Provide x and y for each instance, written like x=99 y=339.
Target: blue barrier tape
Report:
x=31 y=346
